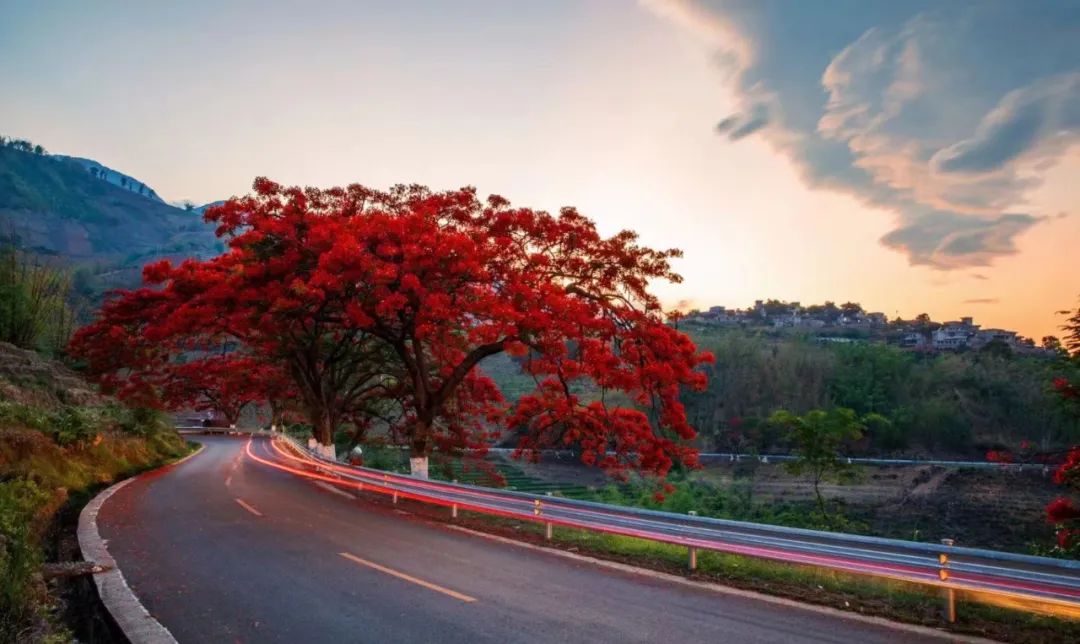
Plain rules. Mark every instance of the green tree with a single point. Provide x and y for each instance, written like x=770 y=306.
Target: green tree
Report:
x=851 y=308
x=1072 y=331
x=870 y=377
x=818 y=436
x=1051 y=343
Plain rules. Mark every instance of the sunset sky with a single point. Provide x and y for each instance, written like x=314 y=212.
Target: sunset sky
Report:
x=910 y=156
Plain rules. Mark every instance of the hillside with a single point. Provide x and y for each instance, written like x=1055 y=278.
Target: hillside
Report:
x=59 y=442
x=55 y=206
x=114 y=177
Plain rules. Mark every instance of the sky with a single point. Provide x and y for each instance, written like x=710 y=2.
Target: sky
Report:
x=911 y=156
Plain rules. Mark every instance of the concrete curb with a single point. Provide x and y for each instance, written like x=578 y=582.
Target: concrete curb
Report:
x=137 y=624
x=728 y=590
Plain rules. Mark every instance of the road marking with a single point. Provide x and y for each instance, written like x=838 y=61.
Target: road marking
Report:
x=400 y=575
x=331 y=488
x=249 y=508
x=720 y=589
x=228 y=480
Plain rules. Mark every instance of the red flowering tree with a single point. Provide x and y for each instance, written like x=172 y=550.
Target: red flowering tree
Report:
x=1063 y=512
x=224 y=384
x=386 y=303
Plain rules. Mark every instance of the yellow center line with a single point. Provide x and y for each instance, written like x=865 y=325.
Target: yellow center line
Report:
x=249 y=508
x=400 y=575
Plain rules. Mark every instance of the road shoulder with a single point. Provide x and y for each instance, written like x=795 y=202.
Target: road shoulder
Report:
x=137 y=624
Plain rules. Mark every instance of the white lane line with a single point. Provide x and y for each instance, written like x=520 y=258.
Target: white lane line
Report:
x=228 y=480
x=720 y=589
x=400 y=575
x=331 y=488
x=248 y=508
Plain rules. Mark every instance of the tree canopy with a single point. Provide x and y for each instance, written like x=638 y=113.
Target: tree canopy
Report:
x=382 y=304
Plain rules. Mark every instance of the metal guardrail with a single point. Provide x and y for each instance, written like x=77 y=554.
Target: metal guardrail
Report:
x=231 y=431
x=1039 y=584
x=735 y=457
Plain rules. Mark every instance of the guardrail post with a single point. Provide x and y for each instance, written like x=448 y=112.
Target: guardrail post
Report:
x=453 y=511
x=547 y=531
x=949 y=594
x=693 y=558
x=395 y=497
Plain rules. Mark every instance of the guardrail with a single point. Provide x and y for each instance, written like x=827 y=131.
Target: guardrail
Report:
x=1038 y=584
x=232 y=431
x=735 y=457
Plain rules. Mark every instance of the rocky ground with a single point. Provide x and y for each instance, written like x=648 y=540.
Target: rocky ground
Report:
x=29 y=379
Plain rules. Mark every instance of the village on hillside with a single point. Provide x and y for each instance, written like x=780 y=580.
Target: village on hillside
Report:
x=848 y=322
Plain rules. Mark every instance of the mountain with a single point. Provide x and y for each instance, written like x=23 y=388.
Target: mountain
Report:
x=202 y=209
x=58 y=206
x=109 y=175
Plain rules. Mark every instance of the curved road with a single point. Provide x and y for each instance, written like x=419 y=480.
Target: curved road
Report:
x=221 y=548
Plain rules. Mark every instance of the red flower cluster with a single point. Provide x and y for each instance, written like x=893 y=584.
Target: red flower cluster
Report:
x=1066 y=388
x=1061 y=510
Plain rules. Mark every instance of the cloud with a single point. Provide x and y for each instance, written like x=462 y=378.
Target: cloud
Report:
x=1045 y=113
x=947 y=114
x=948 y=241
x=982 y=300
x=737 y=126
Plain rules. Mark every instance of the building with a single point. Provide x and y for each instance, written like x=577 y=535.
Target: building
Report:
x=953 y=336
x=986 y=336
x=915 y=340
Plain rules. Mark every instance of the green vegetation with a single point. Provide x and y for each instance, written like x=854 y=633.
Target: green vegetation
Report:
x=893 y=599
x=947 y=404
x=736 y=502
x=49 y=459
x=52 y=458
x=817 y=437
x=36 y=183
x=34 y=313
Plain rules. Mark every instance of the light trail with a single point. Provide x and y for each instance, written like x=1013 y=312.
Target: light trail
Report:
x=1010 y=586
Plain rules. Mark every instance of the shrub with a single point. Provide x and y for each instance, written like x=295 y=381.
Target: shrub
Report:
x=22 y=504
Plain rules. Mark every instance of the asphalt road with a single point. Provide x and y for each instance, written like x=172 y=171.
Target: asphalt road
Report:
x=223 y=549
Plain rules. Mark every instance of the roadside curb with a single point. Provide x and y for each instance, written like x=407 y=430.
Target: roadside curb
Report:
x=728 y=590
x=137 y=624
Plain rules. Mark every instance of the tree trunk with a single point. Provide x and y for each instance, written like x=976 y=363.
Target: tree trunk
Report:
x=322 y=430
x=821 y=501
x=418 y=451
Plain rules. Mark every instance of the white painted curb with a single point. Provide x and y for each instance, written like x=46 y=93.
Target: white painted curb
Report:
x=137 y=624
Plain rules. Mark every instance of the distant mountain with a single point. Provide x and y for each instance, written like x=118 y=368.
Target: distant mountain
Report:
x=202 y=209
x=120 y=179
x=86 y=214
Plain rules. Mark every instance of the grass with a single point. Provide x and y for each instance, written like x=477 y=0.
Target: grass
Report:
x=50 y=462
